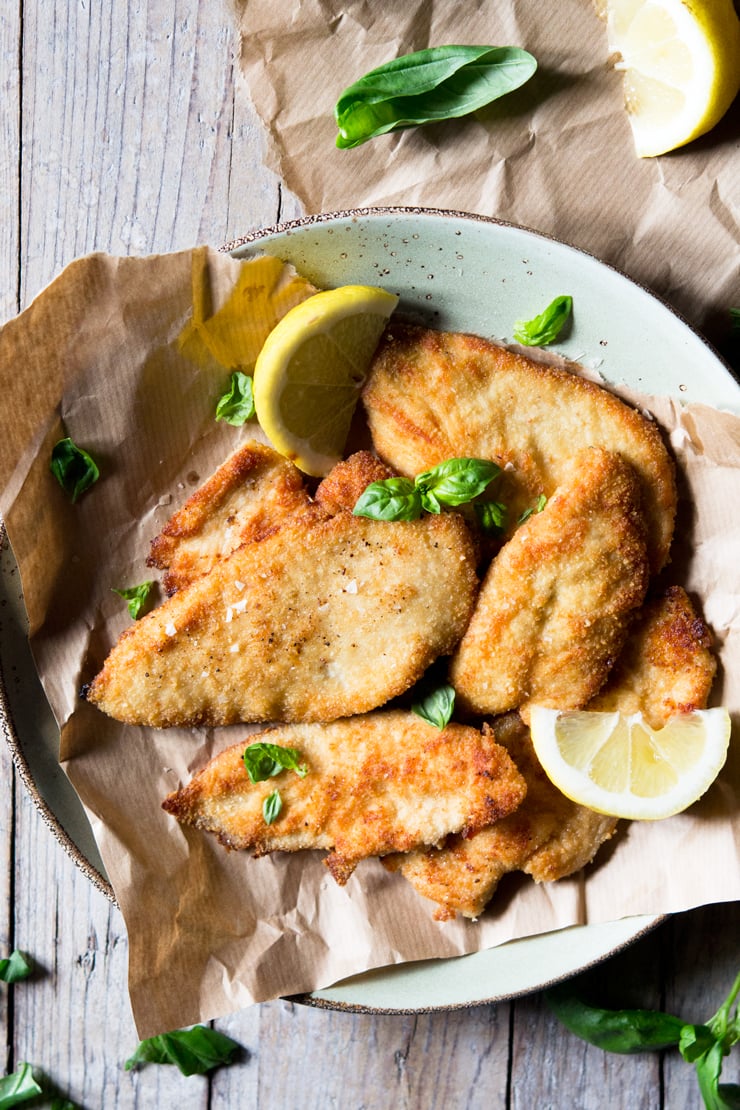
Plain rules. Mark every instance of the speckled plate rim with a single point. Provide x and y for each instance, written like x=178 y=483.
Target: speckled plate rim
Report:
x=251 y=237
x=25 y=773
x=10 y=734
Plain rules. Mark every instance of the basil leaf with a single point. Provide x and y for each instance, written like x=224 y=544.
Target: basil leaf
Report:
x=436 y=708
x=389 y=499
x=236 y=406
x=136 y=596
x=271 y=807
x=492 y=517
x=63 y=1104
x=18 y=1087
x=263 y=760
x=735 y=319
x=454 y=482
x=694 y=1041
x=546 y=327
x=15 y=967
x=442 y=82
x=623 y=1031
x=194 y=1051
x=73 y=468
x=541 y=502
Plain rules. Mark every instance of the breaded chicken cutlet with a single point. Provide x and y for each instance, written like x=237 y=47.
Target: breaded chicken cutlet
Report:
x=554 y=608
x=667 y=667
x=378 y=783
x=432 y=396
x=252 y=494
x=326 y=617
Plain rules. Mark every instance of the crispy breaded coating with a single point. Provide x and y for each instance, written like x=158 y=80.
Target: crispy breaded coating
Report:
x=554 y=608
x=250 y=495
x=432 y=396
x=379 y=783
x=548 y=837
x=343 y=485
x=324 y=618
x=667 y=667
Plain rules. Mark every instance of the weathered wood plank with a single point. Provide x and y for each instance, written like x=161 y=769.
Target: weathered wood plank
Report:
x=552 y=1068
x=10 y=37
x=309 y=1059
x=703 y=957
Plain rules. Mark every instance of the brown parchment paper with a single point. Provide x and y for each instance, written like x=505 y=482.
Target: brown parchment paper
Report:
x=556 y=155
x=98 y=356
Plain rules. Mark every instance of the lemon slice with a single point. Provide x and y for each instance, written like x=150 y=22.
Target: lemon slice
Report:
x=311 y=368
x=617 y=764
x=681 y=62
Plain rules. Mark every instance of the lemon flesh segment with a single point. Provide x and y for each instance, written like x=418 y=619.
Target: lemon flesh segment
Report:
x=310 y=371
x=681 y=62
x=618 y=765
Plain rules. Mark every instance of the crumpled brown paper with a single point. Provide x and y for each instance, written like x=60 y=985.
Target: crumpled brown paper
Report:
x=99 y=356
x=555 y=155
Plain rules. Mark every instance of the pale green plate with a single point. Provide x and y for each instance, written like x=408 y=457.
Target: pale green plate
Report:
x=456 y=272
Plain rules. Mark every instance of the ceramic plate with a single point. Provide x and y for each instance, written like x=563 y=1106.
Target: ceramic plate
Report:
x=456 y=272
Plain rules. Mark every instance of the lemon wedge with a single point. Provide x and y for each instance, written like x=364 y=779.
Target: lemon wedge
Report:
x=309 y=373
x=617 y=764
x=681 y=62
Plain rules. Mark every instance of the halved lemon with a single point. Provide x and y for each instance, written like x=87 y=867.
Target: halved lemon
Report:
x=681 y=62
x=309 y=373
x=617 y=764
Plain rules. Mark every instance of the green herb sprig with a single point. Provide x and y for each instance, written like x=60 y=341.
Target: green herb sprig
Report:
x=442 y=82
x=73 y=468
x=546 y=327
x=136 y=597
x=194 y=1051
x=450 y=484
x=15 y=967
x=18 y=1087
x=236 y=406
x=263 y=760
x=436 y=707
x=626 y=1031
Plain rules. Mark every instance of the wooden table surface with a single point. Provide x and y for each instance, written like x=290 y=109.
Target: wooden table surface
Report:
x=123 y=130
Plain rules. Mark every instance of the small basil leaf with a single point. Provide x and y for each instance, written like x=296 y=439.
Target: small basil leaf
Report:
x=436 y=708
x=456 y=481
x=136 y=596
x=18 y=1087
x=546 y=327
x=263 y=760
x=708 y=1070
x=492 y=517
x=623 y=1031
x=194 y=1051
x=236 y=406
x=541 y=502
x=735 y=319
x=15 y=967
x=271 y=807
x=442 y=82
x=73 y=468
x=389 y=499
x=694 y=1041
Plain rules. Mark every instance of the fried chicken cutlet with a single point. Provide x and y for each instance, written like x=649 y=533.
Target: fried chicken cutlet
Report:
x=378 y=783
x=667 y=667
x=432 y=396
x=255 y=492
x=554 y=608
x=326 y=617
x=252 y=494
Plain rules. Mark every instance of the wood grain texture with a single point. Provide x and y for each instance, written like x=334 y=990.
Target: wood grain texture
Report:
x=127 y=130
